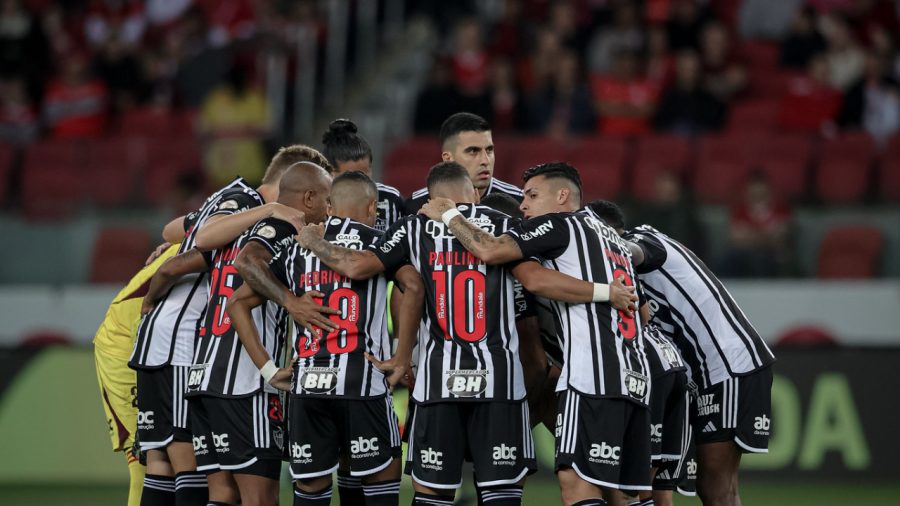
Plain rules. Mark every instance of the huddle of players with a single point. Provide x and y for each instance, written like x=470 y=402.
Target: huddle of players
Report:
x=217 y=314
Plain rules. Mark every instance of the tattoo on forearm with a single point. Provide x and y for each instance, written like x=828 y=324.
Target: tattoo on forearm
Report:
x=263 y=282
x=337 y=257
x=472 y=237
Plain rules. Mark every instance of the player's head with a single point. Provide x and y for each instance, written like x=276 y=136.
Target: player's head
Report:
x=503 y=203
x=345 y=149
x=305 y=186
x=466 y=139
x=355 y=196
x=553 y=187
x=291 y=155
x=609 y=213
x=450 y=180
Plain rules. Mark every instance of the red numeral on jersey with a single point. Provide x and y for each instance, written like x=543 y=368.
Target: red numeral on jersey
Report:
x=469 y=300
x=221 y=322
x=626 y=323
x=343 y=339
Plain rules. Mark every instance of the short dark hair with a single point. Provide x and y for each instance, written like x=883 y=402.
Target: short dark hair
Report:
x=503 y=203
x=446 y=172
x=462 y=122
x=342 y=143
x=355 y=177
x=609 y=213
x=554 y=170
x=291 y=155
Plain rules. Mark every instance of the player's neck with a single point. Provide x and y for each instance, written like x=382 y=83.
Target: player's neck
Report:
x=268 y=191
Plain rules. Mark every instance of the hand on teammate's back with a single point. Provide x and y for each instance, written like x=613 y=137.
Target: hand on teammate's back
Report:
x=293 y=216
x=156 y=253
x=622 y=297
x=282 y=378
x=309 y=234
x=436 y=207
x=309 y=313
x=397 y=370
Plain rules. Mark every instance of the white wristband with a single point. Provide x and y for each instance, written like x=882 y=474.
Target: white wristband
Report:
x=268 y=371
x=449 y=214
x=601 y=292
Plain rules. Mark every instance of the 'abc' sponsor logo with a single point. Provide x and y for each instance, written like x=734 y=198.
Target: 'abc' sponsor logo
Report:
x=301 y=454
x=200 y=445
x=605 y=454
x=504 y=453
x=362 y=446
x=220 y=441
x=761 y=425
x=431 y=459
x=145 y=420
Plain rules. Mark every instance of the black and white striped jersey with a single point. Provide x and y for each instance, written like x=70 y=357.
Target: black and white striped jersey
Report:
x=167 y=334
x=693 y=308
x=420 y=196
x=391 y=207
x=334 y=363
x=550 y=331
x=603 y=351
x=222 y=368
x=662 y=354
x=468 y=342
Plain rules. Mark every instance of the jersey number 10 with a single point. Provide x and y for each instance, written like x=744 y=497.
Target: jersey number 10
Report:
x=469 y=304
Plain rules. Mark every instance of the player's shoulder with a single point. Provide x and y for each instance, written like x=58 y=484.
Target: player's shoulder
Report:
x=346 y=229
x=477 y=210
x=388 y=191
x=507 y=188
x=421 y=193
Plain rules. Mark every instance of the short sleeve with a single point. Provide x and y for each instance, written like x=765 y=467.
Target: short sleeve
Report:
x=524 y=302
x=653 y=249
x=234 y=203
x=393 y=247
x=278 y=266
x=544 y=237
x=273 y=234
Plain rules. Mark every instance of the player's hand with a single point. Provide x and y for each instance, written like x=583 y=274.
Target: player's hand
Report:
x=147 y=306
x=282 y=379
x=307 y=312
x=157 y=252
x=398 y=371
x=436 y=207
x=310 y=234
x=622 y=297
x=282 y=212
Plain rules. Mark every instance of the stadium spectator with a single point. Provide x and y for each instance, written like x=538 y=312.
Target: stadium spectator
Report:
x=684 y=25
x=75 y=104
x=758 y=231
x=625 y=101
x=873 y=102
x=469 y=60
x=846 y=60
x=24 y=49
x=120 y=20
x=660 y=62
x=234 y=119
x=687 y=108
x=803 y=41
x=624 y=35
x=672 y=211
x=811 y=103
x=119 y=68
x=18 y=119
x=766 y=19
x=536 y=70
x=564 y=106
x=506 y=101
x=724 y=75
x=508 y=38
x=437 y=100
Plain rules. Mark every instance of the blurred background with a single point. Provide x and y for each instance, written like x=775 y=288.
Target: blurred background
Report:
x=763 y=134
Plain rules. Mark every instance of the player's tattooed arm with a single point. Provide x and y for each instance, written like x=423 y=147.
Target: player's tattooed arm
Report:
x=552 y=284
x=239 y=306
x=171 y=271
x=252 y=264
x=406 y=325
x=492 y=250
x=354 y=264
x=217 y=231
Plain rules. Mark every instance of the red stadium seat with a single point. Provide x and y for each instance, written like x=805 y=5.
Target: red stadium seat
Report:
x=53 y=179
x=156 y=122
x=722 y=166
x=785 y=158
x=112 y=169
x=843 y=171
x=406 y=166
x=754 y=115
x=528 y=152
x=655 y=155
x=889 y=176
x=601 y=163
x=850 y=252
x=119 y=252
x=760 y=54
x=770 y=83
x=164 y=166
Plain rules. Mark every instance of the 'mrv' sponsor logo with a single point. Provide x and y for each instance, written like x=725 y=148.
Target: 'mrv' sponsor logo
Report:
x=539 y=231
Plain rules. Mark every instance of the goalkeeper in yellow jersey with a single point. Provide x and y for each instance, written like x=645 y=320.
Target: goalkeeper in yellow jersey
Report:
x=118 y=385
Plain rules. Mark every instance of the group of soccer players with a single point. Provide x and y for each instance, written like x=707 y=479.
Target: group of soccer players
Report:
x=508 y=308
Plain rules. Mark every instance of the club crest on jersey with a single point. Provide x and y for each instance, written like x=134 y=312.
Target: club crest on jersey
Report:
x=636 y=384
x=319 y=380
x=467 y=382
x=350 y=241
x=267 y=232
x=228 y=205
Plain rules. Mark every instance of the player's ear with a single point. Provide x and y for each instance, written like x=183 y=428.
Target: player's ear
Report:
x=373 y=208
x=563 y=195
x=446 y=156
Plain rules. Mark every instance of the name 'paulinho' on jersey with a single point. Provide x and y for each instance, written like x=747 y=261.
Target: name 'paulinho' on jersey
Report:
x=603 y=351
x=693 y=308
x=221 y=366
x=468 y=343
x=334 y=363
x=168 y=333
x=390 y=207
